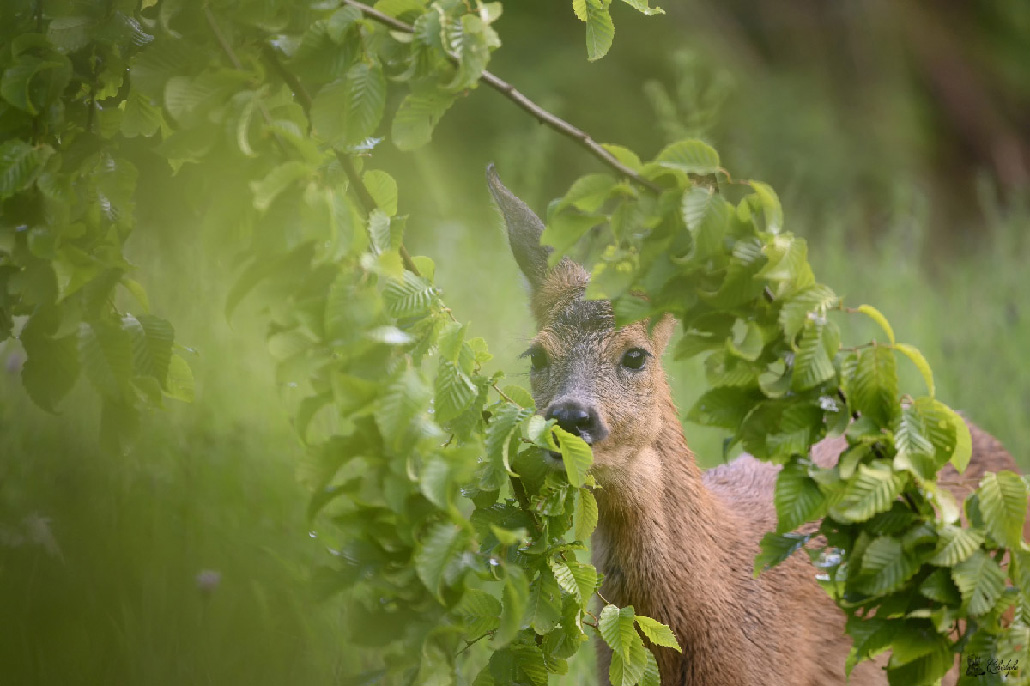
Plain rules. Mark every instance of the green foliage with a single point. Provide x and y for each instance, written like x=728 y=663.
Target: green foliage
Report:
x=441 y=485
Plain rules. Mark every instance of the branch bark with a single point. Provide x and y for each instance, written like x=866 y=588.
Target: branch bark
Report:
x=509 y=91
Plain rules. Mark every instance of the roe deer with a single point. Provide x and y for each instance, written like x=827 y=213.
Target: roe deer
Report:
x=676 y=543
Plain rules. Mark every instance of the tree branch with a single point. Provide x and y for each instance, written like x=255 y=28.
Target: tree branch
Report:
x=509 y=91
x=364 y=197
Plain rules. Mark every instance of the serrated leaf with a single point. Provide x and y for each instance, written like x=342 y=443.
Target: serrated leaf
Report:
x=600 y=29
x=706 y=215
x=20 y=163
x=276 y=181
x=691 y=156
x=545 y=603
x=626 y=670
x=366 y=99
x=886 y=566
x=1003 y=501
x=651 y=677
x=873 y=388
x=955 y=545
x=416 y=118
x=586 y=514
x=798 y=498
x=401 y=402
x=921 y=364
x=775 y=548
x=871 y=491
x=411 y=296
x=383 y=189
x=813 y=363
x=499 y=432
x=617 y=629
x=575 y=454
x=980 y=581
x=105 y=352
x=877 y=316
x=515 y=601
x=643 y=7
x=725 y=406
x=770 y=204
x=796 y=309
x=480 y=612
x=439 y=554
x=454 y=392
x=658 y=633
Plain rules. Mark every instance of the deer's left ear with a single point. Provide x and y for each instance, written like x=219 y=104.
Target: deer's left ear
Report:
x=662 y=332
x=524 y=231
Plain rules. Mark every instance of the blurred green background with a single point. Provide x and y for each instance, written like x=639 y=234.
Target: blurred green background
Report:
x=897 y=136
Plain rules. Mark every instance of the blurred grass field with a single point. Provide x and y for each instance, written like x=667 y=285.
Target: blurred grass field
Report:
x=188 y=560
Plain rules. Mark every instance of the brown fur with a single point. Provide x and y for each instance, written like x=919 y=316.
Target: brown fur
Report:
x=679 y=544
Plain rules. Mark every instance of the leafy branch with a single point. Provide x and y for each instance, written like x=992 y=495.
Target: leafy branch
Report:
x=509 y=91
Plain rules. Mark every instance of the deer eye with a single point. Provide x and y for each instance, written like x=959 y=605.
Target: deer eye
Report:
x=537 y=357
x=634 y=358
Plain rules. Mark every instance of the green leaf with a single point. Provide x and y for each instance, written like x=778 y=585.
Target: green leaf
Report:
x=454 y=391
x=658 y=633
x=480 y=612
x=402 y=401
x=885 y=566
x=70 y=33
x=813 y=361
x=691 y=156
x=706 y=215
x=955 y=545
x=499 y=432
x=651 y=677
x=872 y=491
x=796 y=309
x=921 y=364
x=724 y=406
x=877 y=316
x=963 y=442
x=873 y=388
x=52 y=364
x=438 y=555
x=798 y=498
x=412 y=296
x=775 y=548
x=366 y=99
x=20 y=164
x=575 y=455
x=643 y=7
x=276 y=181
x=600 y=29
x=564 y=230
x=980 y=581
x=180 y=380
x=515 y=600
x=416 y=118
x=1003 y=500
x=626 y=670
x=383 y=189
x=544 y=608
x=152 y=339
x=586 y=514
x=770 y=203
x=617 y=629
x=106 y=355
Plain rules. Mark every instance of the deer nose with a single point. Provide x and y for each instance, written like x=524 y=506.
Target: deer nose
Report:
x=577 y=419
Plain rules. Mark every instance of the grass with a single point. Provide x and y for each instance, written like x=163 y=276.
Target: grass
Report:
x=188 y=560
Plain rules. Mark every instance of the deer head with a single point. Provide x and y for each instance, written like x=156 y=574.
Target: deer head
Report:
x=603 y=383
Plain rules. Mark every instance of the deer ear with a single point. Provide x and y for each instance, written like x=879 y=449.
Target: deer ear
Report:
x=524 y=230
x=662 y=332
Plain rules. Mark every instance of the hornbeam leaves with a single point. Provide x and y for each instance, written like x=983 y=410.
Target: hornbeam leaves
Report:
x=434 y=474
x=1003 y=501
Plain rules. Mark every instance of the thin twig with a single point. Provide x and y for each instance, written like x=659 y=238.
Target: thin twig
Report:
x=364 y=197
x=469 y=644
x=509 y=91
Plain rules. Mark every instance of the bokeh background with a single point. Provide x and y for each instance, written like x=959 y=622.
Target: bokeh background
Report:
x=898 y=137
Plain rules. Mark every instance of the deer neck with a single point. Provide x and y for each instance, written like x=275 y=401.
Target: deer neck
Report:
x=667 y=545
